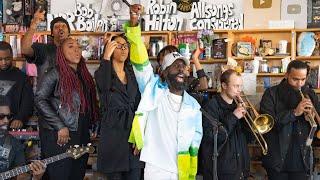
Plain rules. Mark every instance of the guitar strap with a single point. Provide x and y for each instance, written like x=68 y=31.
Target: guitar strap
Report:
x=5 y=150
x=7 y=145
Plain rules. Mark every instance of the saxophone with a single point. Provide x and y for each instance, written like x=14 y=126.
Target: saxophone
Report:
x=310 y=117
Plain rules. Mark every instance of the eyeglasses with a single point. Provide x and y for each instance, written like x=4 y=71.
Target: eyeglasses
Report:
x=122 y=46
x=9 y=116
x=6 y=59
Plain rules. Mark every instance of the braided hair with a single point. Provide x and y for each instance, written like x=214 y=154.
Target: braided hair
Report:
x=70 y=83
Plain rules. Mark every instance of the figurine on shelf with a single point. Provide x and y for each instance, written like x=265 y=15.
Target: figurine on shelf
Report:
x=316 y=51
x=306 y=44
x=206 y=37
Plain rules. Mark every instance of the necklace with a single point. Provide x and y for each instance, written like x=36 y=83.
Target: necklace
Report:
x=175 y=106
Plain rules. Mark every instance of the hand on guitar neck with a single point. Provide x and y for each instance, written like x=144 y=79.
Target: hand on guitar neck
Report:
x=38 y=166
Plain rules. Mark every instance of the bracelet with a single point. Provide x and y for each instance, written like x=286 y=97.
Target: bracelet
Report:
x=201 y=73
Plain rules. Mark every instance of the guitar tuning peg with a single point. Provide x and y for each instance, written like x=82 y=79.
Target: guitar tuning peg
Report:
x=89 y=144
x=76 y=146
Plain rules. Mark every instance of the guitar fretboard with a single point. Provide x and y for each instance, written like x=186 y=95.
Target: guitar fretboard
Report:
x=23 y=169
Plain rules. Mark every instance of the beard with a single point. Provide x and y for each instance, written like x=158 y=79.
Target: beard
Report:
x=3 y=130
x=173 y=83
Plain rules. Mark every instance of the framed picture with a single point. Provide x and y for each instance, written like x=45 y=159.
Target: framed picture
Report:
x=244 y=49
x=265 y=43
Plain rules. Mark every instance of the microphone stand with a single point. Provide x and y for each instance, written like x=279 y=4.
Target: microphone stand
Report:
x=215 y=125
x=215 y=152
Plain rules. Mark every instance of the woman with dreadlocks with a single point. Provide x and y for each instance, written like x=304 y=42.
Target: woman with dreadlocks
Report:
x=119 y=98
x=66 y=102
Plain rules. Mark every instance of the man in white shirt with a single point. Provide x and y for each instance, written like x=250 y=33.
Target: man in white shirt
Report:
x=167 y=127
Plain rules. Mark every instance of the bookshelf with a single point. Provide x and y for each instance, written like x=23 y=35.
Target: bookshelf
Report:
x=231 y=36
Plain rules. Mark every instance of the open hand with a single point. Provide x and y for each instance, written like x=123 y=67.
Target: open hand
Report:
x=37 y=18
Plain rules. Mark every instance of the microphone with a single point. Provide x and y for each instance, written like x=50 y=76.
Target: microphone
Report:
x=126 y=2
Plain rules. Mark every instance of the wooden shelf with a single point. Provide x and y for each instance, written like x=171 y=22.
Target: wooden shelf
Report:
x=182 y=32
x=307 y=30
x=262 y=31
x=317 y=91
x=19 y=59
x=79 y=33
x=270 y=74
x=154 y=32
x=152 y=57
x=308 y=58
x=211 y=61
x=195 y=31
x=211 y=90
x=92 y=61
x=264 y=57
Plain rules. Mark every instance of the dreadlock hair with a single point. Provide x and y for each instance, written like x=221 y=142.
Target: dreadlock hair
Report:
x=69 y=82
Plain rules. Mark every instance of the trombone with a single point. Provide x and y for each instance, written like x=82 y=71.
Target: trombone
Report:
x=259 y=123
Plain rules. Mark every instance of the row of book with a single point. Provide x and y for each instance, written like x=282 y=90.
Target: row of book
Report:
x=92 y=46
x=16 y=15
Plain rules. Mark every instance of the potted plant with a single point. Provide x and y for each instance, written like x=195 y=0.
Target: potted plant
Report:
x=205 y=41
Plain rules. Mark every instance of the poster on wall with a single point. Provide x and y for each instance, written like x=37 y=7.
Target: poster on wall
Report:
x=13 y=11
x=295 y=10
x=167 y=16
x=105 y=8
x=258 y=13
x=313 y=13
x=158 y=15
x=91 y=15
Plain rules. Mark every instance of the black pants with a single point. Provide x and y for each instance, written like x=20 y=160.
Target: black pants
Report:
x=133 y=174
x=66 y=169
x=274 y=175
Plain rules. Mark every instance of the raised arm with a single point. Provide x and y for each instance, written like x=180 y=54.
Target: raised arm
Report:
x=138 y=52
x=26 y=44
x=203 y=82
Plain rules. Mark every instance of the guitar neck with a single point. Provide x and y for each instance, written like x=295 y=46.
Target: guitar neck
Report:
x=23 y=169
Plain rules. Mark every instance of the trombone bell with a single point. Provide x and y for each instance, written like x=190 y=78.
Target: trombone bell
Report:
x=263 y=123
x=259 y=124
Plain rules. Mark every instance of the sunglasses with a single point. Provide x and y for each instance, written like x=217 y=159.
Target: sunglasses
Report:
x=8 y=116
x=122 y=46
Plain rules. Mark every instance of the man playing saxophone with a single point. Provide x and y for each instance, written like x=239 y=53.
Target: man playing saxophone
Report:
x=288 y=155
x=233 y=159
